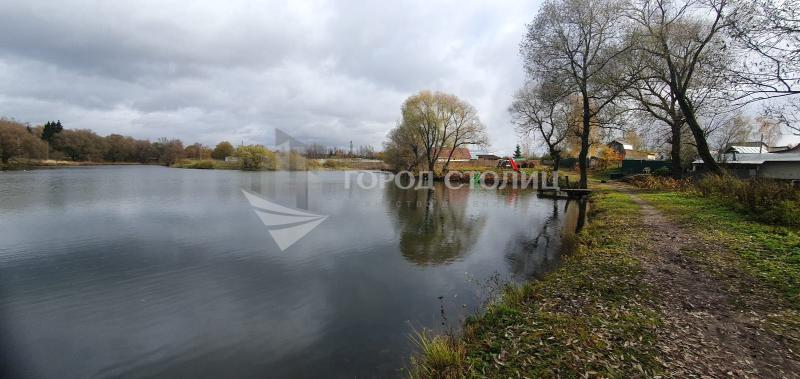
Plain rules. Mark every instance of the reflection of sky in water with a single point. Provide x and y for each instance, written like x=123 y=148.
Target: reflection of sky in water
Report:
x=142 y=271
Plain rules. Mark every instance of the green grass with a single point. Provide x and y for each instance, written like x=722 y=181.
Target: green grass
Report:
x=592 y=315
x=770 y=253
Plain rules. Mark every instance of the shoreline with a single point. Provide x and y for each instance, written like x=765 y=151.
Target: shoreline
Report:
x=45 y=165
x=626 y=303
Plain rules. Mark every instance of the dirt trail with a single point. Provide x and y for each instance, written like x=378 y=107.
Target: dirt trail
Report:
x=712 y=328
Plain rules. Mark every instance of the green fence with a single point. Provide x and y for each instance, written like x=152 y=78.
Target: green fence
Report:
x=633 y=166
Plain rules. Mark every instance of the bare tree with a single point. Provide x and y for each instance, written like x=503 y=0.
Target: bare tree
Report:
x=685 y=37
x=437 y=120
x=463 y=128
x=654 y=96
x=767 y=34
x=543 y=112
x=579 y=43
x=737 y=129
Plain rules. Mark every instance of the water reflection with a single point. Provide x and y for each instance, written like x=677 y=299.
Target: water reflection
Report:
x=150 y=271
x=434 y=225
x=530 y=258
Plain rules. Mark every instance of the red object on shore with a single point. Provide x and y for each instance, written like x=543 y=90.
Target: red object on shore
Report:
x=513 y=164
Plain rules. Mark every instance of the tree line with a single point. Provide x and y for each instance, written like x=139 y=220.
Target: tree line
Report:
x=53 y=141
x=680 y=69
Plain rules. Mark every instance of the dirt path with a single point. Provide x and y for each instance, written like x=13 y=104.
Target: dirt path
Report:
x=711 y=328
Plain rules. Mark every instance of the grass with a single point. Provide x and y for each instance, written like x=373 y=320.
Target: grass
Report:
x=769 y=253
x=593 y=315
x=207 y=164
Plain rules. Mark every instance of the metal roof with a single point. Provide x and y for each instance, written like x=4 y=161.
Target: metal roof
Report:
x=747 y=149
x=759 y=158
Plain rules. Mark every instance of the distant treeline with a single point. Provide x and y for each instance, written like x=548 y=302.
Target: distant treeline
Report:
x=53 y=141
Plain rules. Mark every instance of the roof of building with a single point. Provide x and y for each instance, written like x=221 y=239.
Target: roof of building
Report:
x=459 y=153
x=791 y=150
x=625 y=145
x=760 y=158
x=477 y=154
x=741 y=149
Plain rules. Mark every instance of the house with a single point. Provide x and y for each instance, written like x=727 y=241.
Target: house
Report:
x=619 y=146
x=459 y=154
x=626 y=151
x=784 y=166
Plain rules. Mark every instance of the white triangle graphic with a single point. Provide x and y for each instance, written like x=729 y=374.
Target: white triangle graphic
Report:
x=286 y=225
x=288 y=236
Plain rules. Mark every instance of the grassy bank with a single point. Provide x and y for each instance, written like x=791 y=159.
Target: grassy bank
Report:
x=33 y=164
x=643 y=295
x=592 y=315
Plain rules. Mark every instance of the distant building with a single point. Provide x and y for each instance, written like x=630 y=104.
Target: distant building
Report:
x=460 y=154
x=784 y=166
x=626 y=151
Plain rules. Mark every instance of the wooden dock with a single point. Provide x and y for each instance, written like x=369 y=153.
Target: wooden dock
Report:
x=567 y=193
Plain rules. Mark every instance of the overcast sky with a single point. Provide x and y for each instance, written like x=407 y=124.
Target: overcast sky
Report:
x=324 y=71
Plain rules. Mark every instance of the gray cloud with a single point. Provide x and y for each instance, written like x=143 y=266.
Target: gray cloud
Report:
x=326 y=71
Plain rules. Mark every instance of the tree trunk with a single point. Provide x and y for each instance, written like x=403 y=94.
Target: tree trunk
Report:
x=677 y=167
x=556 y=160
x=699 y=136
x=583 y=162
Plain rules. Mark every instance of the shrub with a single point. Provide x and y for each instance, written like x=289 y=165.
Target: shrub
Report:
x=768 y=200
x=204 y=164
x=661 y=183
x=662 y=171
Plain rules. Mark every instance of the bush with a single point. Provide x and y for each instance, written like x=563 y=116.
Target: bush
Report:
x=333 y=164
x=660 y=183
x=255 y=157
x=768 y=200
x=662 y=171
x=204 y=164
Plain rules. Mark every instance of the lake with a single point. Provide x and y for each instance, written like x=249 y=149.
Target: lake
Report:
x=141 y=271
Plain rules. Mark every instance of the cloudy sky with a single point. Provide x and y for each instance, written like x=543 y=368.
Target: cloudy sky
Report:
x=324 y=71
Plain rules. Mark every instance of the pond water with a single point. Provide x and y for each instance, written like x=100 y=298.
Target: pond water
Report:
x=149 y=271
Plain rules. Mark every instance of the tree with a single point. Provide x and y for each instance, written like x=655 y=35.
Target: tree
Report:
x=17 y=141
x=197 y=151
x=517 y=152
x=80 y=145
x=120 y=148
x=222 y=150
x=437 y=120
x=403 y=148
x=543 y=112
x=169 y=150
x=253 y=157
x=737 y=129
x=767 y=33
x=464 y=128
x=51 y=129
x=687 y=50
x=144 y=152
x=579 y=43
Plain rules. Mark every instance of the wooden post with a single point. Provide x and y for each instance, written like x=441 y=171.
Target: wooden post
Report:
x=539 y=180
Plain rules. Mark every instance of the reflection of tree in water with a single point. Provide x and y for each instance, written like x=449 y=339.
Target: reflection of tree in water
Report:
x=433 y=223
x=531 y=258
